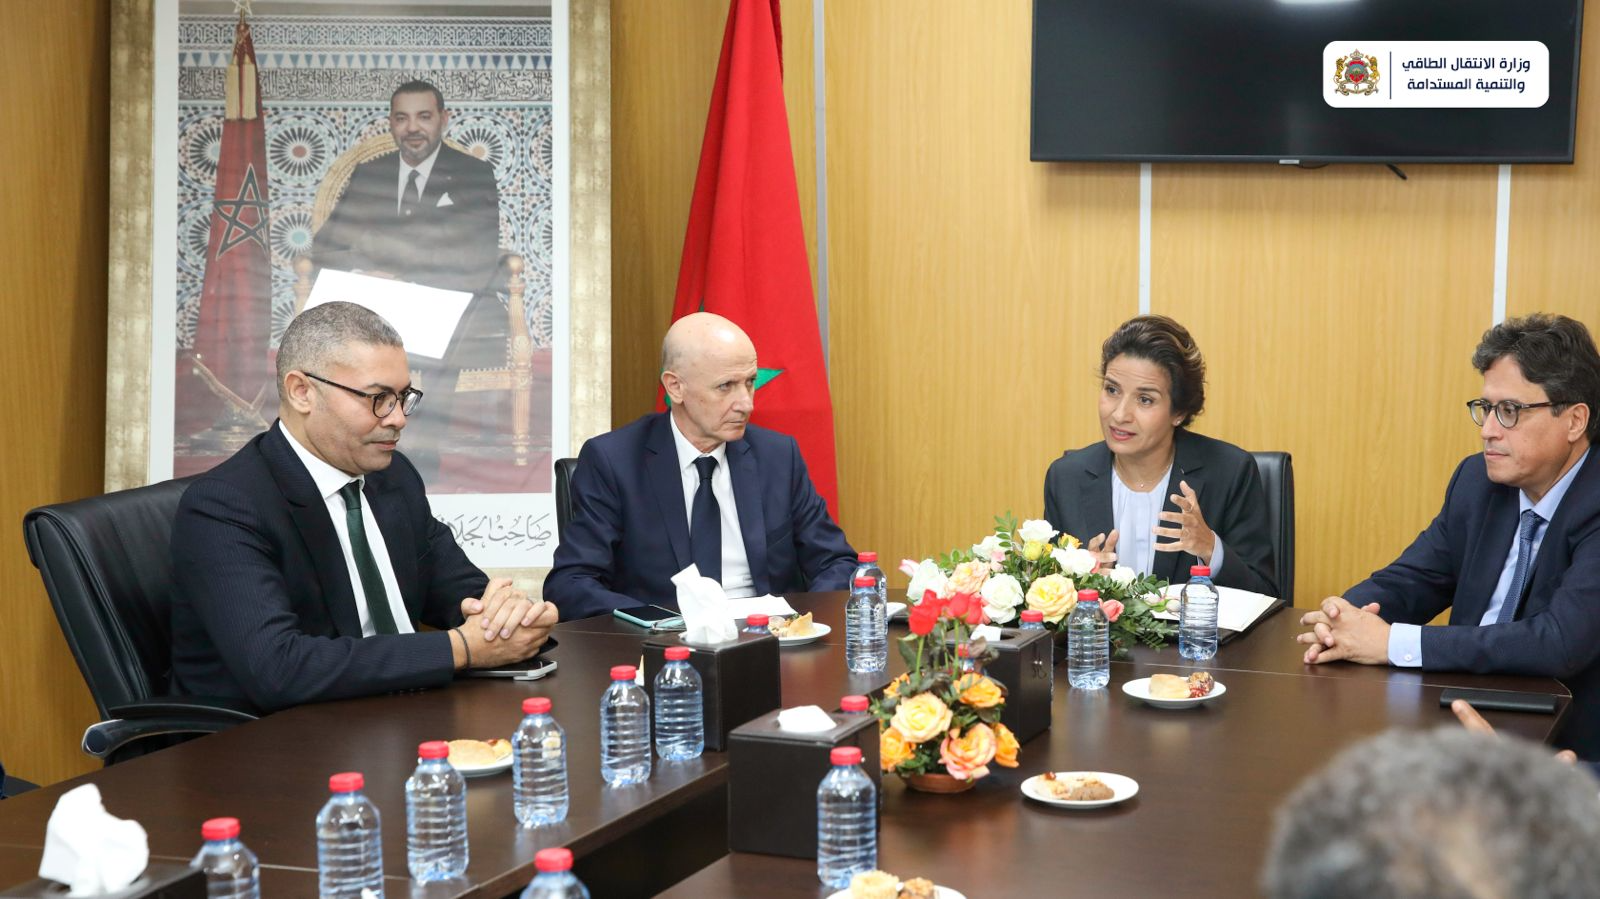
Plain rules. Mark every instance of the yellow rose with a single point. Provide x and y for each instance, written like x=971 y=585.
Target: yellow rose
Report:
x=967 y=757
x=979 y=692
x=893 y=689
x=1067 y=541
x=1005 y=752
x=893 y=750
x=920 y=718
x=968 y=577
x=1054 y=595
x=1032 y=550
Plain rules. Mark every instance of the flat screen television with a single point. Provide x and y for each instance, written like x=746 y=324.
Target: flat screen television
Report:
x=1244 y=81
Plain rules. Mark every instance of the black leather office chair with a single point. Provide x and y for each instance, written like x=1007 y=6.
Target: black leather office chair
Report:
x=107 y=565
x=11 y=786
x=565 y=469
x=1277 y=477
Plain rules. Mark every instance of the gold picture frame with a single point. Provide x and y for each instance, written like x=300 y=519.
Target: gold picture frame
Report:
x=131 y=381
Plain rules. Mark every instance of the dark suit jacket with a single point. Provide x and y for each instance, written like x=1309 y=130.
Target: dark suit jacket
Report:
x=455 y=246
x=263 y=609
x=1077 y=500
x=1455 y=564
x=629 y=532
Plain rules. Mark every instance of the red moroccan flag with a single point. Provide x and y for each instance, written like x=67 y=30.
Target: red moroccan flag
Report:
x=744 y=256
x=235 y=325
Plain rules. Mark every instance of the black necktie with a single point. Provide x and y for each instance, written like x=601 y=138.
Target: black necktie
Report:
x=410 y=198
x=366 y=565
x=705 y=524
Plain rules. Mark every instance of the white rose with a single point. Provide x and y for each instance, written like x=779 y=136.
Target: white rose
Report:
x=1122 y=575
x=1036 y=531
x=927 y=577
x=1076 y=562
x=1001 y=596
x=989 y=550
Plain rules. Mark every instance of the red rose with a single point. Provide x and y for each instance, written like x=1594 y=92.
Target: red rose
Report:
x=974 y=613
x=923 y=618
x=930 y=597
x=959 y=605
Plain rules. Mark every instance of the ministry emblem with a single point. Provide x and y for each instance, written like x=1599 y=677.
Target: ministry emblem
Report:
x=1356 y=73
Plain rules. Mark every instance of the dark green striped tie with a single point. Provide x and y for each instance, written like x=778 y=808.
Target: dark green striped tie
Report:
x=366 y=565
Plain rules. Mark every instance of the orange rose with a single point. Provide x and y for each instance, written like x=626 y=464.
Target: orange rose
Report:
x=1005 y=752
x=893 y=689
x=979 y=692
x=969 y=577
x=893 y=750
x=921 y=718
x=967 y=757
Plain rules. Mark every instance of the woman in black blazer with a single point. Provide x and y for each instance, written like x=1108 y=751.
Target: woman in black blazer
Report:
x=1215 y=510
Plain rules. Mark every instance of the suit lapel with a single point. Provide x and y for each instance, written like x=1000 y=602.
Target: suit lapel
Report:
x=1486 y=559
x=666 y=482
x=1094 y=492
x=745 y=472
x=388 y=509
x=315 y=530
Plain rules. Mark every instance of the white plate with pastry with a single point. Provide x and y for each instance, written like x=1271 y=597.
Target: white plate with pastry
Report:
x=1170 y=691
x=797 y=630
x=881 y=885
x=478 y=758
x=1080 y=789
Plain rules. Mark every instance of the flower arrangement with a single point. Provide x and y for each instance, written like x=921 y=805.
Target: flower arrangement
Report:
x=937 y=718
x=1034 y=566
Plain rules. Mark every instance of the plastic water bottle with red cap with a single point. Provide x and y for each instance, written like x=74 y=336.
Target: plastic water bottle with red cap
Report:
x=624 y=730
x=1197 y=616
x=1088 y=644
x=866 y=627
x=867 y=566
x=757 y=623
x=847 y=820
x=436 y=816
x=555 y=879
x=854 y=705
x=231 y=869
x=1032 y=620
x=680 y=708
x=349 y=841
x=539 y=769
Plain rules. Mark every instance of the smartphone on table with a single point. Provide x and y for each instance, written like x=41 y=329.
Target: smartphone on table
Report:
x=655 y=618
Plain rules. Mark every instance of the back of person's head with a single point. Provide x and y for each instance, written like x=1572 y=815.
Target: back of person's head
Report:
x=1164 y=342
x=321 y=336
x=1553 y=351
x=1444 y=815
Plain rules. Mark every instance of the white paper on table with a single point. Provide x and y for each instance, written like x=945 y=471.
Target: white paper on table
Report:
x=1236 y=609
x=426 y=317
x=764 y=605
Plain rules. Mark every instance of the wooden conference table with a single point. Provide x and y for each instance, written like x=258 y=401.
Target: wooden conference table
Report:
x=1210 y=779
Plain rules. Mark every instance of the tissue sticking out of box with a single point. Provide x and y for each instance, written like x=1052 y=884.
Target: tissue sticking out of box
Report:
x=88 y=848
x=707 y=619
x=805 y=719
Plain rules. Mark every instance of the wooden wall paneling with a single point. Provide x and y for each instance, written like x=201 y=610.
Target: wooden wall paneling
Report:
x=969 y=287
x=1337 y=310
x=53 y=58
x=1555 y=217
x=663 y=63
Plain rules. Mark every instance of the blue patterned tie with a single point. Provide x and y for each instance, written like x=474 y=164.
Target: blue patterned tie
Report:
x=1519 y=575
x=705 y=524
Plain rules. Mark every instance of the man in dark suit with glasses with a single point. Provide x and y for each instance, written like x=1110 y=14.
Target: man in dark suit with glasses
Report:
x=303 y=563
x=1514 y=555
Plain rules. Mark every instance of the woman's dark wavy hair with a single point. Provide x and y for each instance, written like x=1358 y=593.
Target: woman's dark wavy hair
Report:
x=1554 y=352
x=1166 y=343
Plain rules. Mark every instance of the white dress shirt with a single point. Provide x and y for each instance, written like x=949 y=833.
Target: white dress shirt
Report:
x=736 y=579
x=423 y=170
x=330 y=481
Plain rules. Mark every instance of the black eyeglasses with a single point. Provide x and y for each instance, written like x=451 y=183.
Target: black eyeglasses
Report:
x=382 y=403
x=1506 y=411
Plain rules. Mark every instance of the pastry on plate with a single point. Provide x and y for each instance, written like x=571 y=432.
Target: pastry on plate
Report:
x=1076 y=789
x=874 y=885
x=477 y=753
x=918 y=888
x=1169 y=686
x=798 y=626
